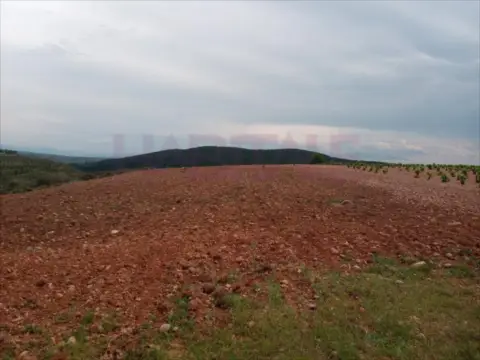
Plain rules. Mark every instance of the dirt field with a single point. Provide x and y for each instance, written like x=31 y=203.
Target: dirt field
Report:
x=129 y=244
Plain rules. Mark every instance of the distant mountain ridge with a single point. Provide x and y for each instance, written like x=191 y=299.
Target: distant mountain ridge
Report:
x=207 y=156
x=66 y=159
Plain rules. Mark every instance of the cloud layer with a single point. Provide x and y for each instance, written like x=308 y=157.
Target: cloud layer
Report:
x=402 y=78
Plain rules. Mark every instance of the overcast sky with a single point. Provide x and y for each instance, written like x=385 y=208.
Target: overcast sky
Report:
x=385 y=80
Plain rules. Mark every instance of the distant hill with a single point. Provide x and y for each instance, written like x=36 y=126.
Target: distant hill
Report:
x=206 y=156
x=61 y=158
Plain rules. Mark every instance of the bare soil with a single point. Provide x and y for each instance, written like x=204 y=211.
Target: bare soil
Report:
x=131 y=243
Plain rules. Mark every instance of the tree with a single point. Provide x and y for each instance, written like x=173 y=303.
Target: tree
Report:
x=319 y=159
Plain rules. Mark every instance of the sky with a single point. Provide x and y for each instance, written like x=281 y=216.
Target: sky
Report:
x=379 y=80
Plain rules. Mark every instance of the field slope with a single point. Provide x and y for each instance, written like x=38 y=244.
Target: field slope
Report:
x=242 y=262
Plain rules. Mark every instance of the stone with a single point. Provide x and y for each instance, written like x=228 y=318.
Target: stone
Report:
x=334 y=251
x=71 y=340
x=454 y=223
x=312 y=306
x=165 y=327
x=208 y=288
x=418 y=264
x=40 y=283
x=114 y=232
x=449 y=256
x=399 y=282
x=194 y=304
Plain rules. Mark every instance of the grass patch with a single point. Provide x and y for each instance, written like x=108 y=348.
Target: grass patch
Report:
x=390 y=311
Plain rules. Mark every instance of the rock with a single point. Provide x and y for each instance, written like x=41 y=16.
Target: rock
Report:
x=312 y=306
x=25 y=355
x=165 y=327
x=236 y=288
x=114 y=232
x=449 y=256
x=265 y=268
x=418 y=264
x=399 y=282
x=356 y=267
x=71 y=340
x=40 y=283
x=251 y=323
x=208 y=288
x=334 y=251
x=447 y=265
x=184 y=265
x=346 y=202
x=223 y=279
x=71 y=288
x=284 y=282
x=194 y=304
x=454 y=223
x=239 y=259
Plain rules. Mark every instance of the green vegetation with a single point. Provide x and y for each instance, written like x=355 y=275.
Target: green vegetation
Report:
x=388 y=311
x=319 y=159
x=21 y=174
x=446 y=172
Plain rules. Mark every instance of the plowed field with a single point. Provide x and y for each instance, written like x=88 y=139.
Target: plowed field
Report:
x=131 y=243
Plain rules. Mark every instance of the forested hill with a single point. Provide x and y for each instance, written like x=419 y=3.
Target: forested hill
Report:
x=207 y=156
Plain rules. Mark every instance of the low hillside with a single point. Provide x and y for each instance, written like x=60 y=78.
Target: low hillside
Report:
x=19 y=173
x=207 y=156
x=61 y=158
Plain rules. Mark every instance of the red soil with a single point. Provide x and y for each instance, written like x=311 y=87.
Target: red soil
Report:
x=177 y=228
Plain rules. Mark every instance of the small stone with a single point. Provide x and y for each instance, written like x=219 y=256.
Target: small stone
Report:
x=265 y=268
x=418 y=264
x=454 y=223
x=356 y=267
x=194 y=304
x=165 y=327
x=421 y=336
x=334 y=251
x=71 y=288
x=449 y=256
x=239 y=259
x=114 y=232
x=251 y=323
x=40 y=283
x=208 y=288
x=399 y=282
x=71 y=340
x=25 y=355
x=447 y=265
x=284 y=282
x=312 y=306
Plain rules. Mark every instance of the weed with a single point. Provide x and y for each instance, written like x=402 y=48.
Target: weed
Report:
x=88 y=318
x=32 y=329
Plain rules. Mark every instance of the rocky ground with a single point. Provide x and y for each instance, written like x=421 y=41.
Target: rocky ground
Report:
x=129 y=245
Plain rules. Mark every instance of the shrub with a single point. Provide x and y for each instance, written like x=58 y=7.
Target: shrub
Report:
x=445 y=178
x=318 y=159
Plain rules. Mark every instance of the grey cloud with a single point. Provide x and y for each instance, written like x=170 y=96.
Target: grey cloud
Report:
x=162 y=68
